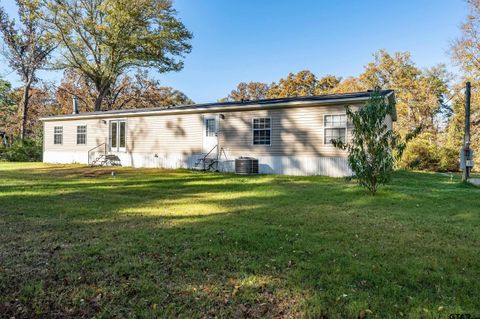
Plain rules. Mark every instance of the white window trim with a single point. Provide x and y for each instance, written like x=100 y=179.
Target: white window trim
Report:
x=86 y=134
x=327 y=127
x=253 y=129
x=117 y=149
x=54 y=134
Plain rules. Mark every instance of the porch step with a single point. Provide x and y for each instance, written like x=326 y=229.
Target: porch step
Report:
x=107 y=160
x=209 y=161
x=205 y=163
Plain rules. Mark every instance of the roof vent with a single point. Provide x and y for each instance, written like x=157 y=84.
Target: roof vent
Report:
x=75 y=105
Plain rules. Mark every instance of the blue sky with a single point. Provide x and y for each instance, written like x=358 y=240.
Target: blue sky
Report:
x=264 y=40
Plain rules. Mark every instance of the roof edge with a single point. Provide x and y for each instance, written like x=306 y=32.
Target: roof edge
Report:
x=227 y=107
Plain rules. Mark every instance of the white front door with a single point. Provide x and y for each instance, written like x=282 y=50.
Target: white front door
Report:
x=210 y=129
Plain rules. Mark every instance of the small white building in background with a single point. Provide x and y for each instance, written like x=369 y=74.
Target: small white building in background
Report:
x=287 y=135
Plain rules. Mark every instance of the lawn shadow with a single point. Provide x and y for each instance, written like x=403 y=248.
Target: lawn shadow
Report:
x=163 y=242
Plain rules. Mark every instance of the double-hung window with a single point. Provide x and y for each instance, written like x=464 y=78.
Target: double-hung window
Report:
x=81 y=134
x=262 y=131
x=117 y=135
x=58 y=135
x=335 y=128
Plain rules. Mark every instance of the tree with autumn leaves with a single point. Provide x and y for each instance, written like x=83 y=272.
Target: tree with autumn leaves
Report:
x=130 y=91
x=465 y=53
x=102 y=45
x=29 y=46
x=101 y=40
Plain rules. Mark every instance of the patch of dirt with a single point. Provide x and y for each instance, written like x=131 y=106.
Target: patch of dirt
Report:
x=98 y=172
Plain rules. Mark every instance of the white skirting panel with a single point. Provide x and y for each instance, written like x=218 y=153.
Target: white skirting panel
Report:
x=70 y=157
x=287 y=165
x=298 y=165
x=126 y=159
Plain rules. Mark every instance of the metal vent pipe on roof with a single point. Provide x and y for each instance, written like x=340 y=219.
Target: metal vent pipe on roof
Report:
x=75 y=105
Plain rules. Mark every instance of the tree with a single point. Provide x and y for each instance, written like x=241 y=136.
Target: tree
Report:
x=29 y=47
x=103 y=39
x=349 y=85
x=419 y=93
x=327 y=84
x=138 y=91
x=8 y=107
x=370 y=151
x=41 y=103
x=248 y=91
x=465 y=53
x=466 y=50
x=74 y=84
x=304 y=83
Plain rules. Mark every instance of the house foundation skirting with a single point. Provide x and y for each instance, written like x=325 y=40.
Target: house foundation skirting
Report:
x=287 y=165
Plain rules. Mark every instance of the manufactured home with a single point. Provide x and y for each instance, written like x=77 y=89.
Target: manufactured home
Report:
x=287 y=135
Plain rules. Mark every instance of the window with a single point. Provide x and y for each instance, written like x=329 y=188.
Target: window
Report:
x=262 y=131
x=335 y=128
x=121 y=134
x=82 y=134
x=117 y=135
x=58 y=135
x=113 y=134
x=210 y=127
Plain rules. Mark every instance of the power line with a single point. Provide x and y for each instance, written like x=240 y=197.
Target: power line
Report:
x=454 y=95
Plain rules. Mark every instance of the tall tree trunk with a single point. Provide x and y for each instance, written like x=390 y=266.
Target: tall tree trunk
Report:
x=99 y=100
x=25 y=101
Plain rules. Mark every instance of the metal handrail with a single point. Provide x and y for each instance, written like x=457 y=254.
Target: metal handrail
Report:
x=104 y=151
x=205 y=157
x=222 y=150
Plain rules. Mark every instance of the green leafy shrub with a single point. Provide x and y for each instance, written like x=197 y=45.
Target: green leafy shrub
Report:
x=370 y=150
x=423 y=153
x=449 y=159
x=26 y=151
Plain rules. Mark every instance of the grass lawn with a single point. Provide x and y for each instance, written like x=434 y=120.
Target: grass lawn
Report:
x=161 y=243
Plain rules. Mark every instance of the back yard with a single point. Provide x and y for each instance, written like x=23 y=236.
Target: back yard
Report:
x=78 y=242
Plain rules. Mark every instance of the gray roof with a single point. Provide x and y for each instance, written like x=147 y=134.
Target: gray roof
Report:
x=328 y=98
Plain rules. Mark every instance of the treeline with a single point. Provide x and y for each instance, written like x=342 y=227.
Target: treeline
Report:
x=137 y=91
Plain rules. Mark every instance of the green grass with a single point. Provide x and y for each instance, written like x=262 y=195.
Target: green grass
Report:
x=159 y=243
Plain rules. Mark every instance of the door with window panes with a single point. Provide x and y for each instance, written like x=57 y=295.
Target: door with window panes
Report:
x=209 y=133
x=118 y=136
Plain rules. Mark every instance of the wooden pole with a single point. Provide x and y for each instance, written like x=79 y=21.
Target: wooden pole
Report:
x=466 y=139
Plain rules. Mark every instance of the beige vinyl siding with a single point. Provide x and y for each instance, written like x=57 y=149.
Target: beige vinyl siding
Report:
x=96 y=135
x=165 y=135
x=295 y=131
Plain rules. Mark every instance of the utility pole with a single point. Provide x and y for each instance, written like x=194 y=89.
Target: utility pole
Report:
x=467 y=158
